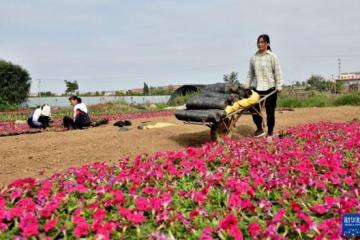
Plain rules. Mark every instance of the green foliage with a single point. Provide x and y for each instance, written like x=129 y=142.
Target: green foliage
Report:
x=181 y=100
x=288 y=101
x=349 y=99
x=112 y=108
x=47 y=94
x=317 y=82
x=231 y=78
x=71 y=87
x=146 y=89
x=14 y=83
x=319 y=100
x=5 y=106
x=339 y=87
x=316 y=99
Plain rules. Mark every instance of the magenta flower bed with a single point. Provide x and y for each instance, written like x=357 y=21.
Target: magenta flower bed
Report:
x=10 y=128
x=293 y=187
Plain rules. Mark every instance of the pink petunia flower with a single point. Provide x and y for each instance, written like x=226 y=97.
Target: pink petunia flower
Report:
x=29 y=225
x=136 y=217
x=50 y=224
x=227 y=222
x=236 y=233
x=319 y=209
x=254 y=229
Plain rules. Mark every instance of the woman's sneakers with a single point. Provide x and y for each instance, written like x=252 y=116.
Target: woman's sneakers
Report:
x=259 y=133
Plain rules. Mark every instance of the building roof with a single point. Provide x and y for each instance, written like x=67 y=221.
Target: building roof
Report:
x=346 y=73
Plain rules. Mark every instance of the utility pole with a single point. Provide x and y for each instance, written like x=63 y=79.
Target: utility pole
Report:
x=339 y=66
x=39 y=90
x=39 y=87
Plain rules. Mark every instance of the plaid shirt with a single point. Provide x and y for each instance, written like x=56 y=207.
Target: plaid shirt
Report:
x=264 y=72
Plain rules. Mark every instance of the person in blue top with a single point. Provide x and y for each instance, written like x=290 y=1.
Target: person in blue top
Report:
x=40 y=117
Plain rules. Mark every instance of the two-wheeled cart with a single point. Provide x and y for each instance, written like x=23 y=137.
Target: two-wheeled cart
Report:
x=223 y=127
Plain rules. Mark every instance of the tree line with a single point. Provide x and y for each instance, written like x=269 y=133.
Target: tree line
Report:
x=314 y=82
x=15 y=84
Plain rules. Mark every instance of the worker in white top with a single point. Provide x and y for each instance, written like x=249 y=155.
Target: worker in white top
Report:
x=265 y=76
x=80 y=118
x=40 y=117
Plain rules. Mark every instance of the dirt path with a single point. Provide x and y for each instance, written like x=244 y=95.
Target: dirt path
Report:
x=40 y=155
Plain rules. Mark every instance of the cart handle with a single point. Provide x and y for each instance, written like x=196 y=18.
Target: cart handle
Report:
x=248 y=107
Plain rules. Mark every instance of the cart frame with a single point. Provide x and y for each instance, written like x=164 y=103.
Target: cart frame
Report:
x=222 y=128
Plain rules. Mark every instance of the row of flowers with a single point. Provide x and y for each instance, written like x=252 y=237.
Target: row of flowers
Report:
x=294 y=187
x=8 y=128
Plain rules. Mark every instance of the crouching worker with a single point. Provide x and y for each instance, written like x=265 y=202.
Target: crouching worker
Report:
x=81 y=117
x=40 y=117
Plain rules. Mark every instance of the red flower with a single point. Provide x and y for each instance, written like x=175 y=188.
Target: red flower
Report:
x=206 y=233
x=349 y=181
x=200 y=197
x=254 y=229
x=118 y=197
x=142 y=204
x=279 y=216
x=29 y=225
x=234 y=200
x=15 y=194
x=295 y=206
x=50 y=224
x=228 y=221
x=320 y=209
x=136 y=218
x=194 y=213
x=162 y=216
x=82 y=227
x=236 y=233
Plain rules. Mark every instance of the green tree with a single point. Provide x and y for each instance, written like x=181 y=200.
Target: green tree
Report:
x=170 y=89
x=46 y=94
x=339 y=87
x=231 y=78
x=15 y=83
x=146 y=89
x=317 y=82
x=71 y=87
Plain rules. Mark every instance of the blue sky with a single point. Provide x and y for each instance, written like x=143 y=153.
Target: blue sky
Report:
x=113 y=45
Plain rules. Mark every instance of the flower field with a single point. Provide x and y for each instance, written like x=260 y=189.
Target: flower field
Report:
x=294 y=187
x=8 y=128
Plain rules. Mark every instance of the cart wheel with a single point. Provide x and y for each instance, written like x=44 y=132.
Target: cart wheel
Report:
x=220 y=130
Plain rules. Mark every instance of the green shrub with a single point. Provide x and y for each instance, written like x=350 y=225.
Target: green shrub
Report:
x=288 y=101
x=14 y=83
x=319 y=100
x=181 y=100
x=348 y=99
x=5 y=106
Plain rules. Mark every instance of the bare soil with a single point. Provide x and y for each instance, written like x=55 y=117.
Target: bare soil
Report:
x=40 y=155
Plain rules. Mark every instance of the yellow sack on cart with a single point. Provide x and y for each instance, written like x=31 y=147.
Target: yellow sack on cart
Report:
x=254 y=97
x=243 y=103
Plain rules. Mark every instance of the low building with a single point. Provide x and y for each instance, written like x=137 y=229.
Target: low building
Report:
x=170 y=87
x=351 y=81
x=137 y=90
x=109 y=93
